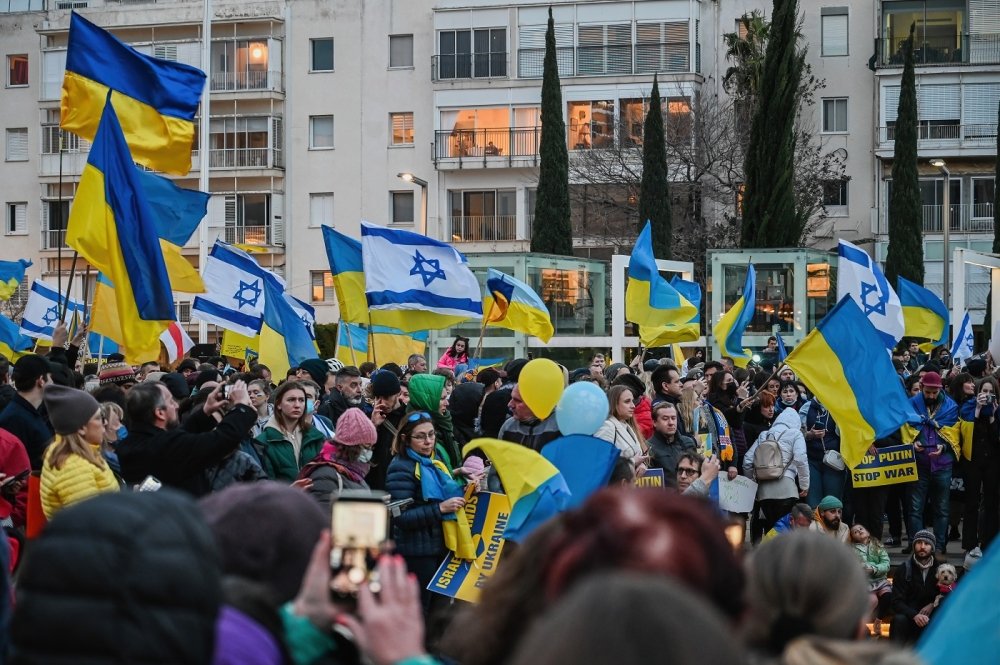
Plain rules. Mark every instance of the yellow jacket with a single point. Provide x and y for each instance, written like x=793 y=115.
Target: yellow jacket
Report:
x=78 y=479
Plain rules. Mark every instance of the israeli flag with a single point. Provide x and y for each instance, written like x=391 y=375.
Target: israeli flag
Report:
x=235 y=295
x=962 y=349
x=860 y=277
x=44 y=309
x=305 y=312
x=409 y=271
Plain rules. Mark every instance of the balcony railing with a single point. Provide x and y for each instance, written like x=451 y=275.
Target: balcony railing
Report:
x=248 y=235
x=643 y=58
x=953 y=135
x=229 y=158
x=457 y=66
x=246 y=80
x=960 y=50
x=485 y=145
x=964 y=218
x=483 y=228
x=53 y=238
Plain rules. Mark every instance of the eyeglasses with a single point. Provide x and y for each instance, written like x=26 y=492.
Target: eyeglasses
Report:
x=681 y=471
x=417 y=415
x=427 y=436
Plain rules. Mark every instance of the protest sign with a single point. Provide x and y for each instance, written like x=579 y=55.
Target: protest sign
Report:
x=652 y=478
x=888 y=466
x=462 y=579
x=737 y=495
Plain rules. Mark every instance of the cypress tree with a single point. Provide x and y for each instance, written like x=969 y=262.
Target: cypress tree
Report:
x=905 y=253
x=654 y=189
x=552 y=232
x=769 y=216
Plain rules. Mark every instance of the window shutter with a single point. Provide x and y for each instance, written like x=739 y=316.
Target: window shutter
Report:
x=834 y=35
x=531 y=49
x=981 y=100
x=53 y=71
x=890 y=104
x=939 y=102
x=277 y=142
x=17 y=144
x=165 y=52
x=321 y=210
x=278 y=219
x=662 y=47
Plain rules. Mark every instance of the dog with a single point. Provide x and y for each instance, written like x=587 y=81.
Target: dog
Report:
x=946 y=578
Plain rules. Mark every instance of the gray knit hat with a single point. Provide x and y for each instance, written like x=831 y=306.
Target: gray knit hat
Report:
x=927 y=535
x=69 y=409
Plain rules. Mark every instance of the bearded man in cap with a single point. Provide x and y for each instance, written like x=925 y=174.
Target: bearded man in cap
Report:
x=384 y=389
x=828 y=519
x=914 y=588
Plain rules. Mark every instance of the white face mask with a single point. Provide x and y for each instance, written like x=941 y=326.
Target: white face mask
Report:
x=366 y=455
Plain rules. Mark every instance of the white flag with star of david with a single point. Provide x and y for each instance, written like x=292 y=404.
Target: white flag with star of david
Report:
x=860 y=277
x=234 y=299
x=45 y=308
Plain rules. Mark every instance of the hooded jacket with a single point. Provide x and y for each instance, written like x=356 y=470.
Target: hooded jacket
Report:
x=464 y=407
x=793 y=448
x=425 y=395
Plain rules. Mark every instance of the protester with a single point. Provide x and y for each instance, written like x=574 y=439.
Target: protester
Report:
x=781 y=453
x=313 y=391
x=346 y=393
x=828 y=519
x=729 y=399
x=524 y=427
x=875 y=564
x=119 y=374
x=385 y=392
x=696 y=474
x=667 y=444
x=456 y=354
x=260 y=393
x=465 y=404
x=620 y=429
x=759 y=417
x=416 y=364
x=25 y=416
x=344 y=460
x=789 y=397
x=981 y=465
x=430 y=394
x=914 y=588
x=822 y=438
x=290 y=439
x=14 y=464
x=74 y=468
x=800 y=517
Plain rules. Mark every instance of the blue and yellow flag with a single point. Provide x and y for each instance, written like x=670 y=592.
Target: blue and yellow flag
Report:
x=156 y=100
x=512 y=304
x=674 y=333
x=843 y=361
x=113 y=227
x=11 y=275
x=649 y=299
x=728 y=332
x=178 y=211
x=12 y=343
x=352 y=343
x=924 y=315
x=285 y=339
x=394 y=345
x=536 y=489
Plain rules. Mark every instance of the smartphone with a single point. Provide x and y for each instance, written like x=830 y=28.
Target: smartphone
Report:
x=226 y=387
x=359 y=531
x=16 y=478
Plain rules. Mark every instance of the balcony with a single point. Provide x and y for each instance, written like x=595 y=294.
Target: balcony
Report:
x=958 y=51
x=252 y=158
x=620 y=60
x=484 y=228
x=483 y=148
x=464 y=66
x=246 y=80
x=965 y=218
x=248 y=235
x=945 y=135
x=54 y=238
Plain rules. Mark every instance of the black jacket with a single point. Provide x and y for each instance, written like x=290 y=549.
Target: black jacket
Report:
x=31 y=426
x=334 y=407
x=911 y=590
x=664 y=454
x=382 y=452
x=417 y=531
x=179 y=457
x=120 y=578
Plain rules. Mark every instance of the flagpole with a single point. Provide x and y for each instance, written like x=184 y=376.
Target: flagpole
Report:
x=371 y=339
x=60 y=233
x=100 y=350
x=350 y=342
x=482 y=330
x=204 y=160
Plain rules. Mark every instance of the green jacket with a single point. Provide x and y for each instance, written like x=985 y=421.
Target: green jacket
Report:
x=425 y=395
x=279 y=456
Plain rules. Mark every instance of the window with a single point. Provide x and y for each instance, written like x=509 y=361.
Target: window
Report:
x=55 y=216
x=591 y=125
x=17 y=144
x=835 y=196
x=478 y=216
x=183 y=311
x=320 y=131
x=982 y=199
x=402 y=207
x=17 y=70
x=834 y=29
x=402 y=128
x=322 y=54
x=400 y=51
x=322 y=286
x=834 y=115
x=321 y=209
x=466 y=54
x=16 y=220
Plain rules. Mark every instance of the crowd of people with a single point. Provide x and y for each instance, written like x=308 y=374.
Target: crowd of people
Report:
x=183 y=513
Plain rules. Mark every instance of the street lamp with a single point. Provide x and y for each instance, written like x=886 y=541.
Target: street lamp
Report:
x=946 y=227
x=409 y=177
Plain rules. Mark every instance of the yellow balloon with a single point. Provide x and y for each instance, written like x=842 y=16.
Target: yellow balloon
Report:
x=541 y=386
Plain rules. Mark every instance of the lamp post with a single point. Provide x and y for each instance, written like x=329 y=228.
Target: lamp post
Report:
x=946 y=228
x=409 y=177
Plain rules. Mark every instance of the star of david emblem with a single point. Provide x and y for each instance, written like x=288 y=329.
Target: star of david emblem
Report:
x=880 y=300
x=51 y=315
x=428 y=269
x=250 y=300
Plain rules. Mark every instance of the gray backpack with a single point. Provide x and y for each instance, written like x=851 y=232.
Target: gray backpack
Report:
x=767 y=461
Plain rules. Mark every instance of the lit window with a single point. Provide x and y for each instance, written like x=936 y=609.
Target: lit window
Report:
x=17 y=70
x=402 y=128
x=322 y=286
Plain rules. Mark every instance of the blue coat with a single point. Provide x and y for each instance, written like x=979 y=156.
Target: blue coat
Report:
x=417 y=531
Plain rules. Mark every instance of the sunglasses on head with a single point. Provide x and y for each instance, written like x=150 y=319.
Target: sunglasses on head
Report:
x=417 y=415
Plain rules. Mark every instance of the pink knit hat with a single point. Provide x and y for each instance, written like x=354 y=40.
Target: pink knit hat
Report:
x=354 y=428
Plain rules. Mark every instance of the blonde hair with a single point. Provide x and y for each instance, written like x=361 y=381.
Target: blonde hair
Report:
x=72 y=444
x=685 y=408
x=614 y=395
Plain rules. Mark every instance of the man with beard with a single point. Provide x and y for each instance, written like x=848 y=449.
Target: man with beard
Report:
x=177 y=455
x=914 y=588
x=345 y=394
x=828 y=517
x=387 y=411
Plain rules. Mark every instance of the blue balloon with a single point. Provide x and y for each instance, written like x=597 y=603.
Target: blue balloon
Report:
x=582 y=409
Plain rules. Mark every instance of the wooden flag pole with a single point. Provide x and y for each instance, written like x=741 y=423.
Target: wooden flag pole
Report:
x=350 y=341
x=482 y=330
x=371 y=339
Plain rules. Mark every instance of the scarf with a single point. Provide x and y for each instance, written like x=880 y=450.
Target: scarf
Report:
x=436 y=484
x=355 y=470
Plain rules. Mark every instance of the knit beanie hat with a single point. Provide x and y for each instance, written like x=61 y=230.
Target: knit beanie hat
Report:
x=926 y=535
x=154 y=376
x=384 y=383
x=118 y=373
x=69 y=409
x=354 y=428
x=176 y=384
x=317 y=370
x=829 y=503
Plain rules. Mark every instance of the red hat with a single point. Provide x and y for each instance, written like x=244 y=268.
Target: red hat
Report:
x=931 y=380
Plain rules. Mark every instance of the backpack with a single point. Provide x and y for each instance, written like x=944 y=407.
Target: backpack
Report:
x=767 y=461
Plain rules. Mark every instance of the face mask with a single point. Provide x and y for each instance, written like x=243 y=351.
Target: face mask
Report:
x=731 y=389
x=788 y=402
x=309 y=406
x=122 y=432
x=366 y=455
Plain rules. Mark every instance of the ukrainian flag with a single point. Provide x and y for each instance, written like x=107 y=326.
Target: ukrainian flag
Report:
x=155 y=99
x=347 y=268
x=11 y=275
x=728 y=332
x=674 y=333
x=352 y=343
x=12 y=343
x=512 y=304
x=394 y=345
x=112 y=226
x=536 y=489
x=649 y=299
x=924 y=315
x=235 y=345
x=285 y=339
x=843 y=361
